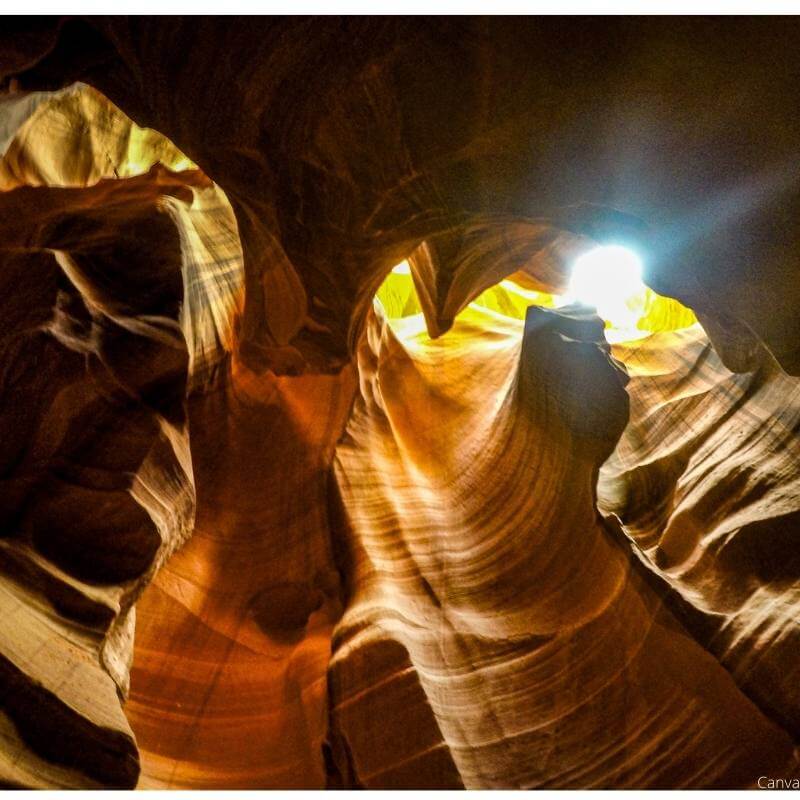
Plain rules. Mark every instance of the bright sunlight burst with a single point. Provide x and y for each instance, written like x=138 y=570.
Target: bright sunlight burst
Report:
x=609 y=278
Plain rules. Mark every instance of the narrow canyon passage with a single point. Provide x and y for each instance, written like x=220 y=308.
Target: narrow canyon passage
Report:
x=319 y=471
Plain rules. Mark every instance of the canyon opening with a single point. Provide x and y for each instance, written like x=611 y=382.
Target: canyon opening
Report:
x=399 y=402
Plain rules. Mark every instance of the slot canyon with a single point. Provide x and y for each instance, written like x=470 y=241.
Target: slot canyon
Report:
x=316 y=473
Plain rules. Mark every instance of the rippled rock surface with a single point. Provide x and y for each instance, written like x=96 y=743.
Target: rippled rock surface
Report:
x=308 y=478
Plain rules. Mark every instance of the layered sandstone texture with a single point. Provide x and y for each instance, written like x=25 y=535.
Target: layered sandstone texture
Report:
x=310 y=477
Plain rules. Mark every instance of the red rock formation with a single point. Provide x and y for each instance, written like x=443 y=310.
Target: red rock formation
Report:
x=546 y=658
x=96 y=489
x=372 y=543
x=233 y=637
x=704 y=482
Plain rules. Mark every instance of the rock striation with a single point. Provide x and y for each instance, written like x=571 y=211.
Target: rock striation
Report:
x=545 y=656
x=265 y=524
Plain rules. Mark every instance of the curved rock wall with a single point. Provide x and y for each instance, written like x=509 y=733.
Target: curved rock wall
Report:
x=97 y=484
x=704 y=481
x=372 y=545
x=467 y=477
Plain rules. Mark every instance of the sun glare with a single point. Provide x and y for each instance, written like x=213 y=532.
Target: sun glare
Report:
x=609 y=278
